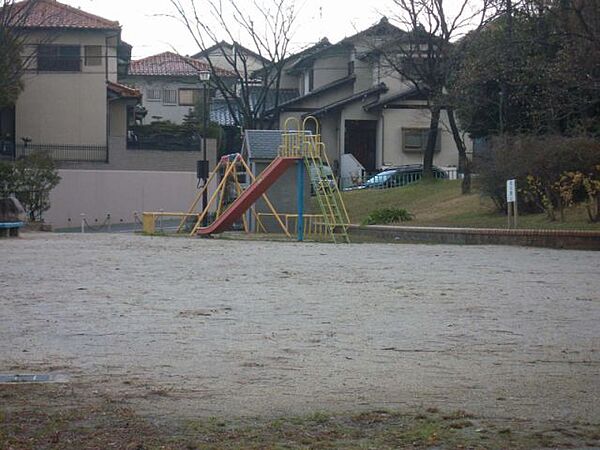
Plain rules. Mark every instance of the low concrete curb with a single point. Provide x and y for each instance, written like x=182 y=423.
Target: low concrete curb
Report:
x=567 y=239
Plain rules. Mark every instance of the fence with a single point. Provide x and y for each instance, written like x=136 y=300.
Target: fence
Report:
x=75 y=153
x=389 y=179
x=164 y=142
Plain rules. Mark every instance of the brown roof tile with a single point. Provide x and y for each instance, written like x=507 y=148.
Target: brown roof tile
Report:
x=170 y=64
x=52 y=14
x=123 y=91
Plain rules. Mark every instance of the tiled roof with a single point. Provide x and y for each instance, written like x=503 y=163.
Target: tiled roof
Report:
x=262 y=144
x=52 y=14
x=220 y=113
x=170 y=64
x=123 y=91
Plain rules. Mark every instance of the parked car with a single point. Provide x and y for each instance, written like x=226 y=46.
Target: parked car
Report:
x=400 y=176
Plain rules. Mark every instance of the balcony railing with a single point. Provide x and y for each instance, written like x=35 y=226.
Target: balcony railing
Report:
x=72 y=153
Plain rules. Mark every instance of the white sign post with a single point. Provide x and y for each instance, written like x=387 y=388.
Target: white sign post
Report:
x=511 y=203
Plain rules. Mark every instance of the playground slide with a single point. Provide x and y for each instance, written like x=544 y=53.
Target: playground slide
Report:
x=263 y=182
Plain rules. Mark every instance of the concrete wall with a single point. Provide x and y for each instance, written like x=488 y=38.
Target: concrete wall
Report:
x=157 y=108
x=97 y=192
x=66 y=107
x=117 y=119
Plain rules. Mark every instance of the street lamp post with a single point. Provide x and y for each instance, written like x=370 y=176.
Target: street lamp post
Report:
x=205 y=79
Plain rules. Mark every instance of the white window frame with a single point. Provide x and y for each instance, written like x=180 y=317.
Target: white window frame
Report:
x=169 y=97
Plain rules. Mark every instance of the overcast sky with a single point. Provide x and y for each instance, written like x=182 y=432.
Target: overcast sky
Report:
x=150 y=32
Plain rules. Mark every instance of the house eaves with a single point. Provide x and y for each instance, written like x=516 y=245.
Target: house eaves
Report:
x=409 y=93
x=320 y=90
x=362 y=95
x=120 y=91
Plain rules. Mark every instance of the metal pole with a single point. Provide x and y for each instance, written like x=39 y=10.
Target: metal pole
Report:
x=205 y=126
x=300 y=188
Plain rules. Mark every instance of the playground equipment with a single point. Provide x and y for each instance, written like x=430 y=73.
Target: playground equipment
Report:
x=225 y=217
x=11 y=214
x=305 y=145
x=232 y=199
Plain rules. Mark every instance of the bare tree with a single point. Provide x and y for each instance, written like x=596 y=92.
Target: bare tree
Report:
x=13 y=60
x=425 y=58
x=267 y=32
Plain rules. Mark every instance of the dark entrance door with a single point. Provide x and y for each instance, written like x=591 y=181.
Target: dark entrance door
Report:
x=361 y=141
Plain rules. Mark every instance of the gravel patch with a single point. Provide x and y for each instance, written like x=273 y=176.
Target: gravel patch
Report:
x=207 y=327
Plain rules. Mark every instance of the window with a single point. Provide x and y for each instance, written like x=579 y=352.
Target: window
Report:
x=350 y=68
x=414 y=140
x=169 y=97
x=309 y=80
x=189 y=97
x=93 y=55
x=153 y=95
x=59 y=58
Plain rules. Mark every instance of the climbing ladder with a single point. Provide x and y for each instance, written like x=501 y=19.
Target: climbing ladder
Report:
x=303 y=143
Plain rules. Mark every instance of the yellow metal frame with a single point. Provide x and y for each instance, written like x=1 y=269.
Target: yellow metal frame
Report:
x=299 y=142
x=313 y=223
x=231 y=173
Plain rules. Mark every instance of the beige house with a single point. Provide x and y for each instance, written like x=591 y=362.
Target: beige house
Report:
x=369 y=117
x=71 y=104
x=73 y=107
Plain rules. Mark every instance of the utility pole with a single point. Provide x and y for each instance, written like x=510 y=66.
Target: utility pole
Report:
x=205 y=78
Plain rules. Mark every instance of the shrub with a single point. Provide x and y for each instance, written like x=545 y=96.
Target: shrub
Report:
x=385 y=216
x=540 y=165
x=30 y=180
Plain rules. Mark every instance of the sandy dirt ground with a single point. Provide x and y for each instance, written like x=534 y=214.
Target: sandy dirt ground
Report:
x=180 y=327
